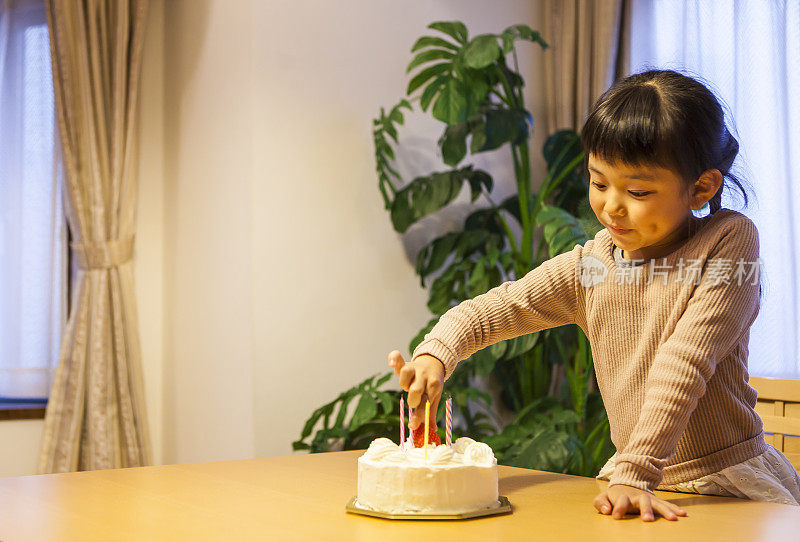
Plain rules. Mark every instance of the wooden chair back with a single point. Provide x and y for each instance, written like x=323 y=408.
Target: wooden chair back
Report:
x=779 y=407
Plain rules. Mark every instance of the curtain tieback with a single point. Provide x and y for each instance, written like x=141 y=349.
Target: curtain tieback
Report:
x=103 y=254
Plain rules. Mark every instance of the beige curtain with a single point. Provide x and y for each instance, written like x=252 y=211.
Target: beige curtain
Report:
x=589 y=49
x=96 y=413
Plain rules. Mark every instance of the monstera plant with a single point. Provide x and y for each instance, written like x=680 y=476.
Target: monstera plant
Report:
x=473 y=86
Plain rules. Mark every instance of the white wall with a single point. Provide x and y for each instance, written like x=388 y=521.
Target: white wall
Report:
x=19 y=446
x=269 y=277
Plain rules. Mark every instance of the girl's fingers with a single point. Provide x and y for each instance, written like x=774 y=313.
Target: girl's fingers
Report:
x=646 y=509
x=664 y=509
x=416 y=400
x=396 y=361
x=434 y=409
x=418 y=416
x=621 y=507
x=675 y=508
x=602 y=503
x=406 y=374
x=434 y=389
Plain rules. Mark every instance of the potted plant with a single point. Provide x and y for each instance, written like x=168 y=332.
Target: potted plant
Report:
x=546 y=378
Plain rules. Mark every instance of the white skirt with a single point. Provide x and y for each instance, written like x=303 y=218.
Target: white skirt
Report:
x=766 y=477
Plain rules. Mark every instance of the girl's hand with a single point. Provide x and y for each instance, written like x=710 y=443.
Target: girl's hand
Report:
x=423 y=379
x=620 y=499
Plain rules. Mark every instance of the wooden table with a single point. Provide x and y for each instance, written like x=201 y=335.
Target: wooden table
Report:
x=303 y=497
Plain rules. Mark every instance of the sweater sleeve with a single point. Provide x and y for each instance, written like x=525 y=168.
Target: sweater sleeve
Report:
x=718 y=314
x=548 y=296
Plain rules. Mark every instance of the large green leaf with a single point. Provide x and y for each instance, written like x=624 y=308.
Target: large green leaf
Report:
x=381 y=380
x=426 y=75
x=426 y=195
x=454 y=143
x=477 y=90
x=501 y=72
x=430 y=41
x=472 y=241
x=366 y=409
x=423 y=196
x=320 y=442
x=521 y=31
x=481 y=51
x=458 y=245
x=431 y=91
x=447 y=287
x=485 y=219
x=562 y=231
x=519 y=345
x=561 y=148
x=315 y=417
x=454 y=29
x=433 y=255
x=498 y=127
x=430 y=55
x=478 y=282
x=479 y=182
x=455 y=89
x=450 y=106
x=345 y=400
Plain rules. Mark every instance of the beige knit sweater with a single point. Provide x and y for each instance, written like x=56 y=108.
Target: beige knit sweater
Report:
x=669 y=342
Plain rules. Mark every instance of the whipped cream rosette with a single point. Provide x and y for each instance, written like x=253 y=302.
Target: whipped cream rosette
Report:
x=380 y=448
x=479 y=454
x=461 y=444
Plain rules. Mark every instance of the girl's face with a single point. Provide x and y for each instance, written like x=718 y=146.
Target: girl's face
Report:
x=651 y=203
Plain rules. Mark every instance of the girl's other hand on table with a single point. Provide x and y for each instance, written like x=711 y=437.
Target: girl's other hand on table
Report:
x=619 y=500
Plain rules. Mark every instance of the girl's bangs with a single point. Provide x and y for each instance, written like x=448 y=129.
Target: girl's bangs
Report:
x=630 y=129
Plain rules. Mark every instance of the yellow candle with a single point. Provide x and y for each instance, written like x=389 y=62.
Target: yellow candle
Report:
x=427 y=417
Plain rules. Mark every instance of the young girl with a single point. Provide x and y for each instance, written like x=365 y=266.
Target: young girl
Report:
x=665 y=298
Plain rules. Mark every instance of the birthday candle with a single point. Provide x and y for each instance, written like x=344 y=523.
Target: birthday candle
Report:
x=402 y=421
x=449 y=421
x=427 y=415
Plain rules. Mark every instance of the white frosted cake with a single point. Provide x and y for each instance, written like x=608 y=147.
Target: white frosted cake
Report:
x=453 y=480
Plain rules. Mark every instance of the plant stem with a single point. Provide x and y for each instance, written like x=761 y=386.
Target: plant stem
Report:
x=522 y=171
x=511 y=237
x=524 y=200
x=524 y=183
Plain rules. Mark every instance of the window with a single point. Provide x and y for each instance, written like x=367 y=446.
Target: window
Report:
x=33 y=244
x=749 y=53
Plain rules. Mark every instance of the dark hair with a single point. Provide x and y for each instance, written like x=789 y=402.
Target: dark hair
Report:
x=667 y=119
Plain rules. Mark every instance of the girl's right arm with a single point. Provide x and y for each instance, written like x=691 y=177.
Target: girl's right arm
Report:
x=550 y=295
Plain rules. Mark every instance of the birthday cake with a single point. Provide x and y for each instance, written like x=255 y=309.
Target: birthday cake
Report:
x=437 y=479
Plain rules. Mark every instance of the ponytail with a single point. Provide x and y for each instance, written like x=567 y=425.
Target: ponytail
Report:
x=728 y=151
